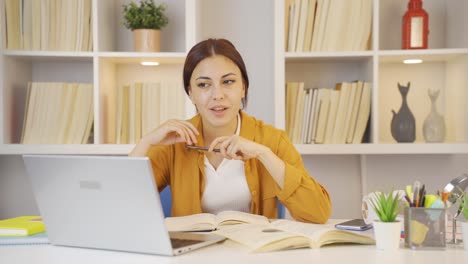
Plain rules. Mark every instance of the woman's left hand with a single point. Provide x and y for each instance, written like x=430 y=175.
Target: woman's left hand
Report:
x=236 y=147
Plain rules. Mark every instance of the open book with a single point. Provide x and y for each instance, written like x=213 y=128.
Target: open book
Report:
x=287 y=234
x=208 y=222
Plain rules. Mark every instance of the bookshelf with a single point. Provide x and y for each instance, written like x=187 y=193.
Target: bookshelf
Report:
x=445 y=66
x=257 y=29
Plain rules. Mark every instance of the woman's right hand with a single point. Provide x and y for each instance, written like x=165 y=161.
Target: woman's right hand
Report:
x=170 y=132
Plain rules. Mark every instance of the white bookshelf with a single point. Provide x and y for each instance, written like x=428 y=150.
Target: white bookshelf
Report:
x=445 y=66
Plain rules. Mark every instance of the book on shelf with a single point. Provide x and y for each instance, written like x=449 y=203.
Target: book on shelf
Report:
x=21 y=226
x=141 y=107
x=36 y=239
x=340 y=120
x=208 y=222
x=310 y=25
x=330 y=126
x=363 y=114
x=301 y=31
x=327 y=25
x=357 y=86
x=57 y=113
x=48 y=25
x=286 y=234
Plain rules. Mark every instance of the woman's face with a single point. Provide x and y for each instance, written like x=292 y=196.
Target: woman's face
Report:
x=216 y=89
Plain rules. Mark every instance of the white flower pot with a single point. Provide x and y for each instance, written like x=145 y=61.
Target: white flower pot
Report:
x=387 y=235
x=465 y=234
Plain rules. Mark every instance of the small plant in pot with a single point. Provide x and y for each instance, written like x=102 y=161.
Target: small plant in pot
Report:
x=387 y=230
x=463 y=200
x=145 y=20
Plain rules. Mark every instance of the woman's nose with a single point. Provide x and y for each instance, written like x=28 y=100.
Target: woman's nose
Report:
x=218 y=92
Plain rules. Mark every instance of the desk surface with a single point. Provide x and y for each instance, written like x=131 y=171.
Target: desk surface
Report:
x=231 y=252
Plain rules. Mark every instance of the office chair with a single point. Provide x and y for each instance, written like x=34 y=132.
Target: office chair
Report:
x=166 y=201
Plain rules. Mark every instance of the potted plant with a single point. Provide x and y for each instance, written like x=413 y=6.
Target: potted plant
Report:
x=387 y=230
x=145 y=20
x=463 y=200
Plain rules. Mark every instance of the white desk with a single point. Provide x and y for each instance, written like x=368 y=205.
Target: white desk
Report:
x=231 y=252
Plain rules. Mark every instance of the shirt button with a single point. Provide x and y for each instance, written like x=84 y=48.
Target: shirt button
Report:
x=254 y=193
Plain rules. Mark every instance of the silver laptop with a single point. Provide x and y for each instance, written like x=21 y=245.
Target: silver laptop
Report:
x=105 y=202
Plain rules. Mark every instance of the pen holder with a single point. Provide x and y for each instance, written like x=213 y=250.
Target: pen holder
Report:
x=424 y=228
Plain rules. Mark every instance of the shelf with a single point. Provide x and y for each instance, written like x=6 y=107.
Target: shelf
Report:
x=328 y=56
x=428 y=55
x=70 y=149
x=304 y=149
x=49 y=55
x=364 y=149
x=137 y=57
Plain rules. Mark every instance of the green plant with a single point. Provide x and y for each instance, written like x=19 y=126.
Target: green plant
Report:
x=386 y=206
x=147 y=15
x=463 y=200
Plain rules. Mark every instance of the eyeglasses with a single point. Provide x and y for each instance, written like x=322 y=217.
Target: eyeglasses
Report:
x=200 y=148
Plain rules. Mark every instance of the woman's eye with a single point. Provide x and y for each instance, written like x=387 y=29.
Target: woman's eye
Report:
x=229 y=81
x=203 y=85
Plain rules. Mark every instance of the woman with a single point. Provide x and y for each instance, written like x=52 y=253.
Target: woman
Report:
x=247 y=164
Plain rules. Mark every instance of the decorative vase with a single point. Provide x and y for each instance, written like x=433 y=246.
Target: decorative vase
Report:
x=387 y=235
x=146 y=40
x=403 y=125
x=415 y=26
x=434 y=125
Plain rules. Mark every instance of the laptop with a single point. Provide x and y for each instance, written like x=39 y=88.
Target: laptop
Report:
x=105 y=202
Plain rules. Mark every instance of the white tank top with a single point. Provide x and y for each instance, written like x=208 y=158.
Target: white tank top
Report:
x=226 y=187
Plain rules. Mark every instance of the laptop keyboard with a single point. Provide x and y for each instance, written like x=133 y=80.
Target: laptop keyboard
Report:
x=178 y=242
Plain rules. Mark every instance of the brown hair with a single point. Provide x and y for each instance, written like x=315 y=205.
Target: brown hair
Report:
x=209 y=48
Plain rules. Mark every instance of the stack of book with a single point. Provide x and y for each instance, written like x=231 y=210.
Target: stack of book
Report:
x=22 y=230
x=49 y=25
x=326 y=115
x=58 y=113
x=141 y=107
x=327 y=25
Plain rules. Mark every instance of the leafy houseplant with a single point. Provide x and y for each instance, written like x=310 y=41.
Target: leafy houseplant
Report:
x=387 y=230
x=145 y=20
x=386 y=206
x=463 y=201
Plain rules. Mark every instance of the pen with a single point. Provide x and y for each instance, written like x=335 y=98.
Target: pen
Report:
x=408 y=200
x=200 y=148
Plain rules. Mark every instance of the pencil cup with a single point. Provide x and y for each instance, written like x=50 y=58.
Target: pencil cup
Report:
x=424 y=228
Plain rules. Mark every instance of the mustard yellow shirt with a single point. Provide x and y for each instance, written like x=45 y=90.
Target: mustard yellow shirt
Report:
x=183 y=169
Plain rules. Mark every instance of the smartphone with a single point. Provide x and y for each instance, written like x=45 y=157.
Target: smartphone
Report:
x=354 y=225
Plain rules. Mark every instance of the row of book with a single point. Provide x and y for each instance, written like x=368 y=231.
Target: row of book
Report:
x=327 y=25
x=326 y=115
x=48 y=25
x=141 y=107
x=58 y=113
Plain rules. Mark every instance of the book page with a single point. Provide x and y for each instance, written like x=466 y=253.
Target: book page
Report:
x=322 y=234
x=263 y=237
x=196 y=222
x=235 y=217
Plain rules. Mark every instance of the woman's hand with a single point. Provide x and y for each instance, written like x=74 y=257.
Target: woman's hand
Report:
x=172 y=131
x=236 y=147
x=168 y=133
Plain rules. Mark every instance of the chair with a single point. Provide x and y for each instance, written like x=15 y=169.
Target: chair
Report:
x=166 y=201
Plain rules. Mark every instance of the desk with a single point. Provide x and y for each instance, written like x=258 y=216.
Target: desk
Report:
x=231 y=252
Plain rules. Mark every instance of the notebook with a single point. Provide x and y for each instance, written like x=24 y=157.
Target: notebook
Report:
x=105 y=202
